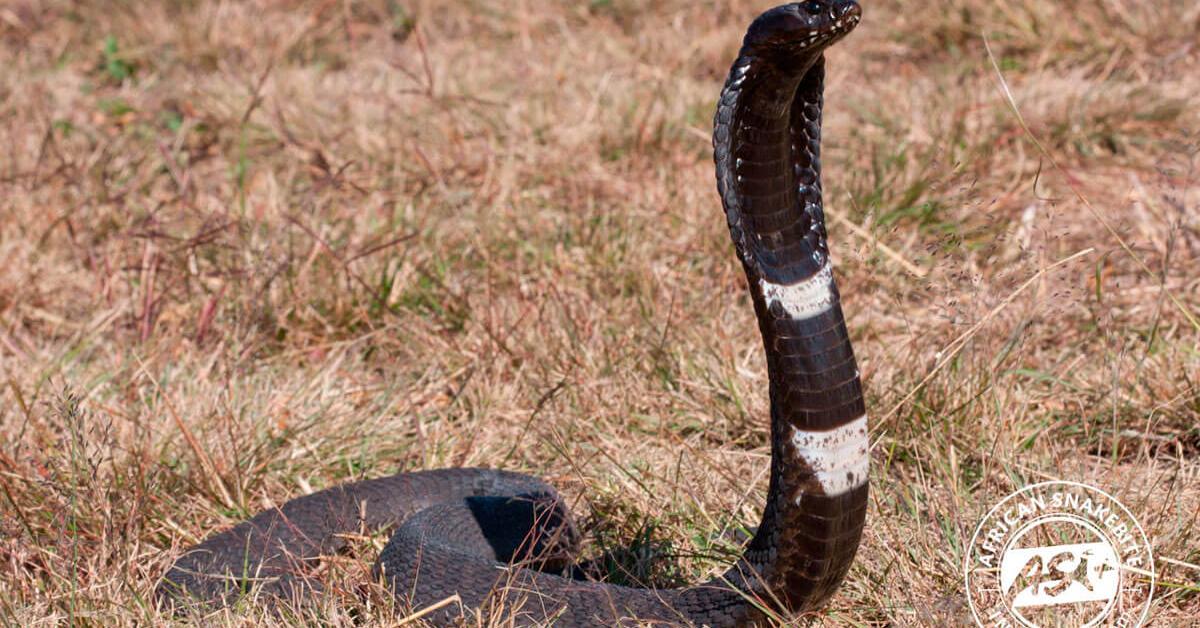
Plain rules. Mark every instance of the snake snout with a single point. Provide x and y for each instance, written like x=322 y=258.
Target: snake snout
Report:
x=832 y=17
x=845 y=8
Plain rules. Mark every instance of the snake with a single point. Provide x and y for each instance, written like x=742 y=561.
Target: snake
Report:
x=486 y=542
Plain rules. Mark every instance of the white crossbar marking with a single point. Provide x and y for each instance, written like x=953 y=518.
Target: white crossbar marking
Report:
x=805 y=299
x=840 y=458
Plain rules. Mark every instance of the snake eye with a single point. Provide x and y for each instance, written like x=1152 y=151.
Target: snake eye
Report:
x=813 y=6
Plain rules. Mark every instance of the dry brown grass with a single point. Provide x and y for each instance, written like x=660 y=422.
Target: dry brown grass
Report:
x=248 y=250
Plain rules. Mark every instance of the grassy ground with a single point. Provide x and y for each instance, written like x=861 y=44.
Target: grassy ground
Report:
x=249 y=250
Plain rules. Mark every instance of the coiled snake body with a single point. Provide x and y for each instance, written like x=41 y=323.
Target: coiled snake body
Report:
x=462 y=531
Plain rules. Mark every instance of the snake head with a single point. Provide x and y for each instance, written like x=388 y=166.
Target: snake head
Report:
x=803 y=26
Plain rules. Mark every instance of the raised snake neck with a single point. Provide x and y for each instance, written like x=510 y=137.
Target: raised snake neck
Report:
x=457 y=530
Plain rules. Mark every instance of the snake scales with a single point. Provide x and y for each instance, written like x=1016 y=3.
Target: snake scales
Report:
x=462 y=531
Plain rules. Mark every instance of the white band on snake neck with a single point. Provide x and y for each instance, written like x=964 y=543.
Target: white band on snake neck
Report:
x=804 y=299
x=840 y=458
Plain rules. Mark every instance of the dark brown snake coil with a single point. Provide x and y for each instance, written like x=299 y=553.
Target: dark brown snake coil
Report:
x=463 y=531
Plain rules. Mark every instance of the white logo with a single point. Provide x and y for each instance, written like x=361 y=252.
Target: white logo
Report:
x=1059 y=554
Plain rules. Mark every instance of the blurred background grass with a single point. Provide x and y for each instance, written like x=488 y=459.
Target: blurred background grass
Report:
x=252 y=249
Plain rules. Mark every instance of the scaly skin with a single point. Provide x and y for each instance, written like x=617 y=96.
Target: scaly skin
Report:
x=460 y=531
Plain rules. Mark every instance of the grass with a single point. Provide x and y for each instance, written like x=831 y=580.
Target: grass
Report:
x=250 y=250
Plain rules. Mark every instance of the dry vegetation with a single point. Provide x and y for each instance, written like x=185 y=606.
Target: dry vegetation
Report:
x=248 y=250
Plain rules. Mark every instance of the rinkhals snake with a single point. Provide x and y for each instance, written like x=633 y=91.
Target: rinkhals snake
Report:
x=460 y=531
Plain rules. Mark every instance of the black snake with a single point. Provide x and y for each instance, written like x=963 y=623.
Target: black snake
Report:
x=463 y=531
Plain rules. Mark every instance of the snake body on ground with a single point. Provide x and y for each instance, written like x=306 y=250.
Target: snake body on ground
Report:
x=497 y=540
